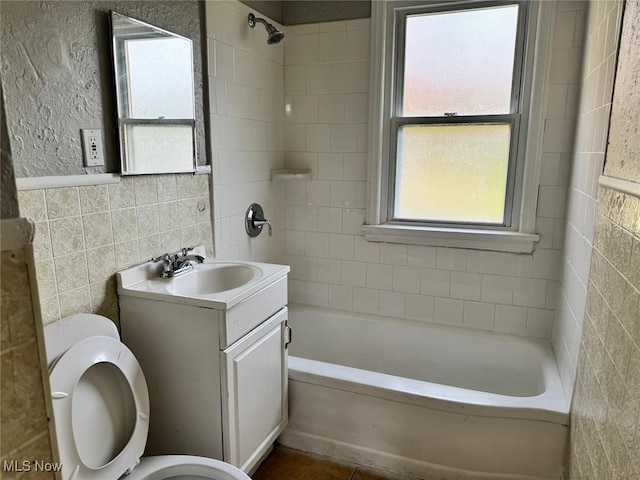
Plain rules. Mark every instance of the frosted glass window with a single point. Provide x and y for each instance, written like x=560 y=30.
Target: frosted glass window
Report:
x=160 y=76
x=452 y=173
x=459 y=62
x=147 y=145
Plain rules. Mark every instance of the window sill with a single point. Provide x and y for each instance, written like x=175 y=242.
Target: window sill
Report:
x=495 y=240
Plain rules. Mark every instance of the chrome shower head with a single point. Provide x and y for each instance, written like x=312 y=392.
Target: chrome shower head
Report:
x=274 y=34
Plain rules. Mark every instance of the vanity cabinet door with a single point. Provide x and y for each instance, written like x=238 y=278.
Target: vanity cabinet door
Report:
x=254 y=392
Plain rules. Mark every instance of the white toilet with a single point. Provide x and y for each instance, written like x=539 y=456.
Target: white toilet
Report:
x=101 y=409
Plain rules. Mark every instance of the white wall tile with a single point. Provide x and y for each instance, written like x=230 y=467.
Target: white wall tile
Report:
x=319 y=78
x=393 y=253
x=318 y=192
x=421 y=256
x=316 y=244
x=345 y=78
x=344 y=138
x=465 y=286
x=515 y=264
x=530 y=292
x=451 y=259
x=366 y=251
x=333 y=46
x=306 y=49
x=318 y=138
x=329 y=219
x=435 y=282
x=355 y=166
x=304 y=109
x=358 y=45
x=341 y=246
x=419 y=307
x=341 y=297
x=328 y=270
x=317 y=294
x=295 y=80
x=354 y=273
x=379 y=276
x=391 y=304
x=365 y=300
x=448 y=311
x=406 y=279
x=480 y=261
x=479 y=315
x=332 y=108
x=330 y=166
x=224 y=61
x=356 y=107
x=343 y=194
x=539 y=322
x=352 y=220
x=497 y=289
x=510 y=319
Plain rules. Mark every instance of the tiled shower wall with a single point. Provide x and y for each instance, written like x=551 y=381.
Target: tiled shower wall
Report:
x=606 y=406
x=600 y=47
x=245 y=95
x=86 y=234
x=326 y=99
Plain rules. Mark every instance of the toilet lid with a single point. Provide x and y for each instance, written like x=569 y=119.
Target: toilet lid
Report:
x=101 y=409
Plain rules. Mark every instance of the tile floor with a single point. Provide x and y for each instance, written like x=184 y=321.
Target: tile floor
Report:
x=287 y=464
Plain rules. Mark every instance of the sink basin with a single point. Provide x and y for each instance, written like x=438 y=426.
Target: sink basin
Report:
x=217 y=284
x=206 y=279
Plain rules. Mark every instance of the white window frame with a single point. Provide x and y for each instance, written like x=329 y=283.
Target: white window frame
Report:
x=520 y=236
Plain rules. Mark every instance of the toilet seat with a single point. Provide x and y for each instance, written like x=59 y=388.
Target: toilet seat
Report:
x=166 y=467
x=86 y=370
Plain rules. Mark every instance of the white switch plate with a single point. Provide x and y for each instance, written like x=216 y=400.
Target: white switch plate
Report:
x=92 y=147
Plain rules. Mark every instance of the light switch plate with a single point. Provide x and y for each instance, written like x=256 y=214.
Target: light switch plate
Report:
x=92 y=147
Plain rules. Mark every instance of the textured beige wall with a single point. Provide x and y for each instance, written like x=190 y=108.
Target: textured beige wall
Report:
x=605 y=437
x=57 y=75
x=86 y=234
x=623 y=155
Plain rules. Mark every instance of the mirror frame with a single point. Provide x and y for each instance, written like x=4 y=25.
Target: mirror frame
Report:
x=122 y=94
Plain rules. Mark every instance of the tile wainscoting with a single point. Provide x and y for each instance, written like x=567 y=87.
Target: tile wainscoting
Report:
x=85 y=234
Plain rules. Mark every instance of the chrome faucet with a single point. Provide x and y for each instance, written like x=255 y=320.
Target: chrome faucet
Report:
x=177 y=264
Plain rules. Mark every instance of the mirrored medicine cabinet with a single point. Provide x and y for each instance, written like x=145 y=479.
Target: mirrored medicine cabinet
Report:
x=155 y=101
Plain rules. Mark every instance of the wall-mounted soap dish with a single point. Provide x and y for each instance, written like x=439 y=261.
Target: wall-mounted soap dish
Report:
x=288 y=174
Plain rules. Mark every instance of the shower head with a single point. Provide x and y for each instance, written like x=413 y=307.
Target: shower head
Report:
x=274 y=34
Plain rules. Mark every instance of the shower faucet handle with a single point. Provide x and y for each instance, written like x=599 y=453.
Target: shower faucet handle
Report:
x=254 y=221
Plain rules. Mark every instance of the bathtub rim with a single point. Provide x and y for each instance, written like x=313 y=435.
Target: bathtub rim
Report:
x=440 y=397
x=550 y=405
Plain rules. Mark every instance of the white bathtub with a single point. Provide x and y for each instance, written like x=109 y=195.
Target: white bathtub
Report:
x=424 y=400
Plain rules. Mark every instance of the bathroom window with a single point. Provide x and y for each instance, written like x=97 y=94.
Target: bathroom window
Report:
x=454 y=115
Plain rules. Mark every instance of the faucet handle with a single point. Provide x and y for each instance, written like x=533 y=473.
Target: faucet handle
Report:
x=166 y=257
x=186 y=250
x=254 y=220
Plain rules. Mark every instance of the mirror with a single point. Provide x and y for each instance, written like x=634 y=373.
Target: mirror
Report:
x=155 y=98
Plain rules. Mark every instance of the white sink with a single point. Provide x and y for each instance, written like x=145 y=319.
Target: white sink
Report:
x=208 y=278
x=212 y=284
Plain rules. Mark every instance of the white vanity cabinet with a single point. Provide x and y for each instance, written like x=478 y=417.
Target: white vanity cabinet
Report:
x=217 y=378
x=254 y=374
